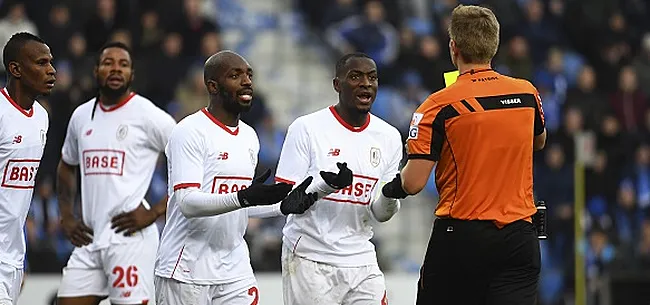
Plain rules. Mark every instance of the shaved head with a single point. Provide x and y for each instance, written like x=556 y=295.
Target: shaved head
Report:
x=229 y=80
x=220 y=63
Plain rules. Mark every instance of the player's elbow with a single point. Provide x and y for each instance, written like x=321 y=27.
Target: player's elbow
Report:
x=187 y=208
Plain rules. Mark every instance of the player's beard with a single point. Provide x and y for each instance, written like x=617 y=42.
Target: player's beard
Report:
x=111 y=93
x=231 y=102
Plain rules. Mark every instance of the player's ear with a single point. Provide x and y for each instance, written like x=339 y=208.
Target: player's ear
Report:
x=336 y=84
x=14 y=69
x=212 y=87
x=95 y=71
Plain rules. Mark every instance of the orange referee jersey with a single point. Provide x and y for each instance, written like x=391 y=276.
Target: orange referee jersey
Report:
x=480 y=130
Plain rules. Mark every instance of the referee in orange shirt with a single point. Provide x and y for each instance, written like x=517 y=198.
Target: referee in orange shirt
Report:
x=481 y=132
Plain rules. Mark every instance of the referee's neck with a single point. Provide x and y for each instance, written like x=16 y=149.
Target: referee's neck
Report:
x=468 y=68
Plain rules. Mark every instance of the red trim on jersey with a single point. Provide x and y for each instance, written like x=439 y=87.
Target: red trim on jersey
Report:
x=118 y=105
x=186 y=185
x=27 y=113
x=224 y=127
x=346 y=201
x=282 y=180
x=348 y=126
x=178 y=260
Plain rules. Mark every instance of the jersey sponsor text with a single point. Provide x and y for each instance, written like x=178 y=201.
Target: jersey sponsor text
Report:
x=20 y=173
x=103 y=162
x=229 y=184
x=359 y=192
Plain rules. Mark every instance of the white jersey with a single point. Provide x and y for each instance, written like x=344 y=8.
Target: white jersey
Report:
x=336 y=230
x=204 y=153
x=22 y=140
x=116 y=151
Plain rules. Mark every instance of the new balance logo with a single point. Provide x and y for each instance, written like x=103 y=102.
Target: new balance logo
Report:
x=17 y=139
x=89 y=132
x=222 y=156
x=334 y=152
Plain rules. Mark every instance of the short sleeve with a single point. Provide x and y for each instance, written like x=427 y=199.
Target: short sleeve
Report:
x=160 y=128
x=540 y=123
x=185 y=155
x=294 y=158
x=426 y=133
x=70 y=150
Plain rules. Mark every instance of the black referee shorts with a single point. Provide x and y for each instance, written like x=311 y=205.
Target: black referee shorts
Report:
x=474 y=262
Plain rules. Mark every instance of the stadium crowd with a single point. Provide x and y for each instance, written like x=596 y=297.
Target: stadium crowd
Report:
x=590 y=60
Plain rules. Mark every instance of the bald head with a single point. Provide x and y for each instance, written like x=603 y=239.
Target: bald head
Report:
x=220 y=63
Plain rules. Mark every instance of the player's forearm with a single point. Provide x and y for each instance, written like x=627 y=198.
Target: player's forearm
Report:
x=66 y=188
x=265 y=211
x=320 y=187
x=383 y=208
x=194 y=203
x=160 y=208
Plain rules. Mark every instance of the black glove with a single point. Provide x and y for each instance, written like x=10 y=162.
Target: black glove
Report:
x=263 y=194
x=338 y=181
x=394 y=188
x=297 y=202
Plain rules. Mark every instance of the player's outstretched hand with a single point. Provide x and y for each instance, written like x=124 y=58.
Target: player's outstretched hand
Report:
x=297 y=202
x=131 y=222
x=394 y=188
x=76 y=231
x=338 y=181
x=263 y=194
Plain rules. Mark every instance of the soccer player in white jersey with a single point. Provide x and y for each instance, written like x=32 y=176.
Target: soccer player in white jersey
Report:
x=327 y=254
x=212 y=155
x=115 y=140
x=23 y=129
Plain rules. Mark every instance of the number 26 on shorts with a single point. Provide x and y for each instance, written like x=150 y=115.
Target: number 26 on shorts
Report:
x=125 y=278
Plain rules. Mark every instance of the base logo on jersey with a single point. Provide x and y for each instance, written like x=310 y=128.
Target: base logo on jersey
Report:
x=20 y=174
x=121 y=132
x=229 y=184
x=375 y=156
x=360 y=192
x=103 y=162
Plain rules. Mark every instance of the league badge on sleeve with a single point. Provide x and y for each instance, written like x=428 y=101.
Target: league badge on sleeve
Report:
x=413 y=128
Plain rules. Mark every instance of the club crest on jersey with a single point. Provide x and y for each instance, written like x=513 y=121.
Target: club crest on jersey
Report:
x=121 y=132
x=43 y=138
x=253 y=157
x=375 y=156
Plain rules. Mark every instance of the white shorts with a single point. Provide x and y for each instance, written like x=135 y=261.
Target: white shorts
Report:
x=11 y=279
x=123 y=272
x=173 y=292
x=308 y=282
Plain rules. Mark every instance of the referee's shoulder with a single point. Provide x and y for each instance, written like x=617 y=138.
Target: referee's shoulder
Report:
x=518 y=84
x=443 y=96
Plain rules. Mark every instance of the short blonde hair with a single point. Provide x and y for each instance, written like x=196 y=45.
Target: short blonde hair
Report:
x=475 y=30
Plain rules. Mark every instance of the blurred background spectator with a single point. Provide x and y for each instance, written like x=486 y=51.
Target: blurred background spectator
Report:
x=590 y=60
